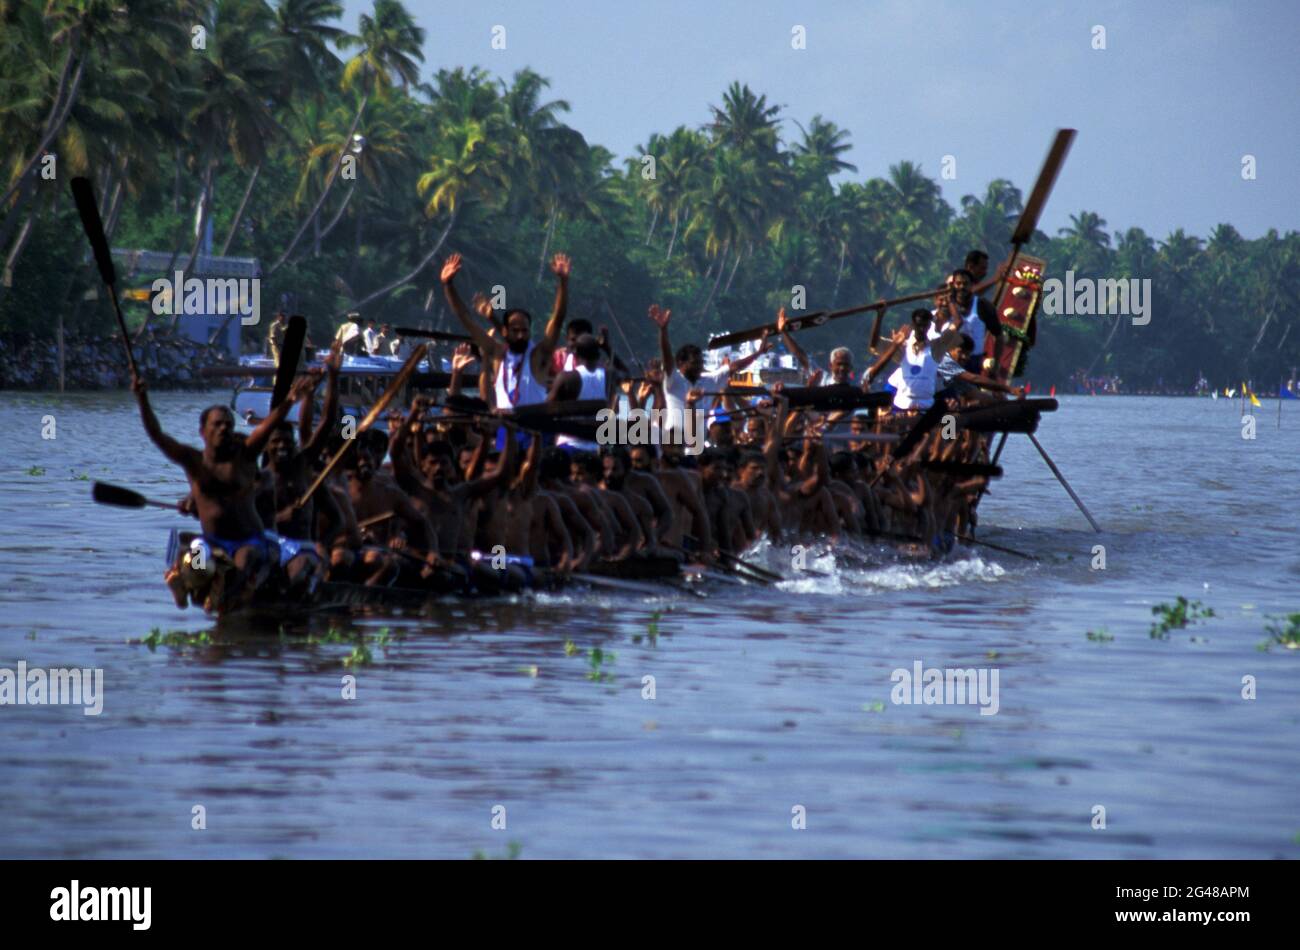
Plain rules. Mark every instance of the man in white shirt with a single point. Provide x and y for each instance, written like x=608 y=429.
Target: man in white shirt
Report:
x=683 y=371
x=370 y=336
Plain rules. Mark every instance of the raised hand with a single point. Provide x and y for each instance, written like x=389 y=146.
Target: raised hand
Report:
x=450 y=268
x=780 y=320
x=461 y=357
x=334 y=361
x=693 y=396
x=660 y=317
x=304 y=385
x=899 y=336
x=561 y=265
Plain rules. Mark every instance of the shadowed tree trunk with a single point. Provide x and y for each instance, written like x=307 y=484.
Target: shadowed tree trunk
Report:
x=239 y=212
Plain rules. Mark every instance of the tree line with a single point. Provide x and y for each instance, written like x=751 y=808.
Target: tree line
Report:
x=327 y=156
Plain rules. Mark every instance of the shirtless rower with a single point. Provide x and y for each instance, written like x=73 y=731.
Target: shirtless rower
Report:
x=682 y=490
x=642 y=490
x=292 y=470
x=223 y=483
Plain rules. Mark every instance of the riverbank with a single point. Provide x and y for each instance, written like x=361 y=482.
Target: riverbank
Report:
x=168 y=361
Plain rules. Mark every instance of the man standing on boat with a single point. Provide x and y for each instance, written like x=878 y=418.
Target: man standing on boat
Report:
x=349 y=333
x=684 y=371
x=523 y=364
x=275 y=335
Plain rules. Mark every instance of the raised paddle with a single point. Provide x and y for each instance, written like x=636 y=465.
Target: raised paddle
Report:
x=290 y=353
x=84 y=195
x=1034 y=206
x=380 y=405
x=119 y=497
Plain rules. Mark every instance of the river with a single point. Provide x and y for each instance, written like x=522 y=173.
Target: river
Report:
x=772 y=731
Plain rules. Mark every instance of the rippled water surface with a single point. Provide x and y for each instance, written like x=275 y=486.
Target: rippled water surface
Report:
x=765 y=700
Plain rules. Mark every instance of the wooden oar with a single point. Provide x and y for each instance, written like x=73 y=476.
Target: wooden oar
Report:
x=119 y=497
x=821 y=317
x=1028 y=222
x=961 y=537
x=84 y=195
x=380 y=405
x=290 y=353
x=377 y=519
x=1064 y=484
x=760 y=573
x=433 y=335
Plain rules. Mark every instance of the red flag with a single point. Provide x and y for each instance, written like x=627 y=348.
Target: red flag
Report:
x=1053 y=392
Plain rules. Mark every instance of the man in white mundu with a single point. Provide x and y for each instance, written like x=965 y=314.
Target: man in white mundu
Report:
x=914 y=379
x=523 y=364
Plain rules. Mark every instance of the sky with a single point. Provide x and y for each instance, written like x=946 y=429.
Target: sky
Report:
x=1183 y=91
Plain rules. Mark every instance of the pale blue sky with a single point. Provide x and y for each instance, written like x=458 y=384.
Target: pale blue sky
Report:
x=1165 y=113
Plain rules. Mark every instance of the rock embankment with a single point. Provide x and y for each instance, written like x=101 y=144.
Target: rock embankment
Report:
x=99 y=362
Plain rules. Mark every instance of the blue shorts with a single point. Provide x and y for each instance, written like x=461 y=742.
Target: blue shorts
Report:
x=258 y=541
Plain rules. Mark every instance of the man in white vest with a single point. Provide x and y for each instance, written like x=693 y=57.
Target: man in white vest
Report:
x=523 y=364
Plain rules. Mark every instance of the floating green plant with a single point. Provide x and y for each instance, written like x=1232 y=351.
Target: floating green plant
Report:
x=513 y=850
x=1176 y=616
x=1100 y=636
x=596 y=658
x=177 y=639
x=1283 y=631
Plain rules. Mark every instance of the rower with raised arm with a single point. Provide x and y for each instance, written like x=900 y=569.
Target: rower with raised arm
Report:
x=224 y=478
x=684 y=371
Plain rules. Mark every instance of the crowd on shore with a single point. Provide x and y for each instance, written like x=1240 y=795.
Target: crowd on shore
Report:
x=92 y=362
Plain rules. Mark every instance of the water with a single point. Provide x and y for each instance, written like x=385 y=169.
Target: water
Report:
x=764 y=699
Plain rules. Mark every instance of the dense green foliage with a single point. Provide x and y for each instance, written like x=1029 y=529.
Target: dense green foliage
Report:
x=738 y=211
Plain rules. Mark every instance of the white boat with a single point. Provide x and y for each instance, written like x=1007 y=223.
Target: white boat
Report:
x=362 y=379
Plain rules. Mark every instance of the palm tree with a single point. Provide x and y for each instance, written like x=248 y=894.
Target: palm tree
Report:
x=823 y=144
x=745 y=122
x=388 y=44
x=238 y=74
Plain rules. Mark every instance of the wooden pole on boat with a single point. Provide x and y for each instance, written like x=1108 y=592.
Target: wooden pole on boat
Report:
x=380 y=405
x=1064 y=484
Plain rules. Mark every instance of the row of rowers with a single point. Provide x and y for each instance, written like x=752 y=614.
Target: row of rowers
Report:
x=420 y=505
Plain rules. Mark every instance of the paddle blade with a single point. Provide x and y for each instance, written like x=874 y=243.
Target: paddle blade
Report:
x=106 y=494
x=290 y=354
x=84 y=195
x=467 y=404
x=577 y=407
x=1043 y=187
